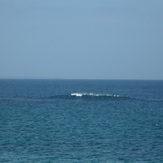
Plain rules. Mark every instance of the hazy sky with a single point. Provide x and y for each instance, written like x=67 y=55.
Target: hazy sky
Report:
x=81 y=39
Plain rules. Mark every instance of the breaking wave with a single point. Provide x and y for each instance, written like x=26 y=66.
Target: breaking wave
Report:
x=89 y=96
x=71 y=96
x=93 y=95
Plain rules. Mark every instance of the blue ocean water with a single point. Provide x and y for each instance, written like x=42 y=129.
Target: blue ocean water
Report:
x=85 y=121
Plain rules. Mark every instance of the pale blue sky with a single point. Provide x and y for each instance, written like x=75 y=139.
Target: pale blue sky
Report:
x=81 y=39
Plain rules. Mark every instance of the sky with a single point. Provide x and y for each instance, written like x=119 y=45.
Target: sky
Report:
x=81 y=39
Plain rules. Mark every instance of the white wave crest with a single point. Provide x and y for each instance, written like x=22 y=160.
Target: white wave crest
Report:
x=92 y=94
x=77 y=94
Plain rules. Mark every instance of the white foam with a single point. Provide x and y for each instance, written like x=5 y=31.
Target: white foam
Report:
x=92 y=94
x=77 y=94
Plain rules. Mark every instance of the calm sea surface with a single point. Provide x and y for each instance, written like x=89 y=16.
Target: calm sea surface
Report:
x=85 y=121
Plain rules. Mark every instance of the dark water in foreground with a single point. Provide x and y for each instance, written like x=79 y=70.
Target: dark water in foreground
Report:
x=86 y=121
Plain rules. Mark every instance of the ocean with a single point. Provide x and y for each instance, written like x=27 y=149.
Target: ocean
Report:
x=81 y=121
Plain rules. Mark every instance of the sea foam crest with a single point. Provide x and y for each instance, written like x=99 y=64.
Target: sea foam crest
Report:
x=93 y=94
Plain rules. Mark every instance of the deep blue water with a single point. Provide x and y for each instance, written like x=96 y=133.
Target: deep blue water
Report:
x=106 y=121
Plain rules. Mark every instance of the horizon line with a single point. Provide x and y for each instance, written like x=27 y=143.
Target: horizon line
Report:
x=73 y=79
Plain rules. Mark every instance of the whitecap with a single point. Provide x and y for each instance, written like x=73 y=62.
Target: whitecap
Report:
x=93 y=94
x=77 y=94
